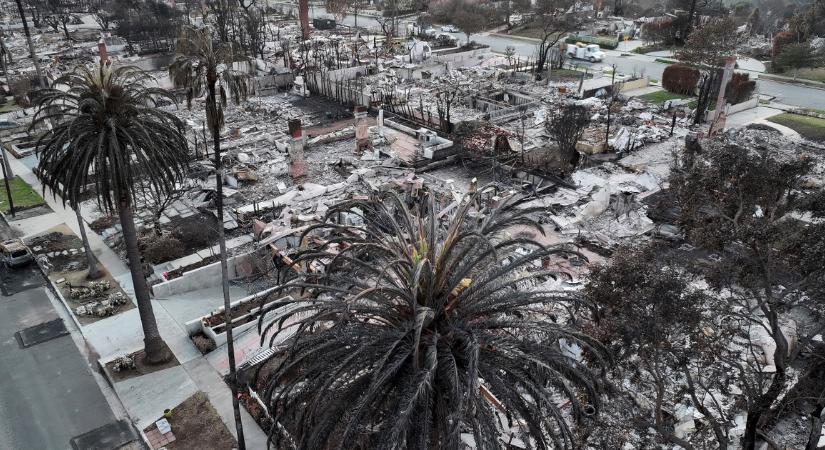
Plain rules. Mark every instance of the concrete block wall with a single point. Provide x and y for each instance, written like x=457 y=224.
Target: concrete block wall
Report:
x=634 y=84
x=202 y=277
x=739 y=107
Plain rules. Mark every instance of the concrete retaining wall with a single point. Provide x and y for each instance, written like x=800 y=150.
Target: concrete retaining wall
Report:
x=202 y=277
x=458 y=58
x=739 y=107
x=393 y=124
x=635 y=84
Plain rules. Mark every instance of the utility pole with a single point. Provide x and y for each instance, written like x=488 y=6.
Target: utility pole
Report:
x=32 y=53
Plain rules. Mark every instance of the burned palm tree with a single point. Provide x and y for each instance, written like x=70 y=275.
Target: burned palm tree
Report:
x=110 y=140
x=410 y=333
x=201 y=65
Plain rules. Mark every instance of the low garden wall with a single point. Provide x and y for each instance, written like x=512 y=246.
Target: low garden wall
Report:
x=202 y=277
x=739 y=107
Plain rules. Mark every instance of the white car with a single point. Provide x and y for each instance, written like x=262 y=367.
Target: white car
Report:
x=450 y=29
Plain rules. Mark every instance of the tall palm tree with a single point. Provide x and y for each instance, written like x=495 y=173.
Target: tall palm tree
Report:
x=201 y=65
x=111 y=135
x=412 y=333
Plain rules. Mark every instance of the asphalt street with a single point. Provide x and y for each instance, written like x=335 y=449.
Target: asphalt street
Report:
x=47 y=392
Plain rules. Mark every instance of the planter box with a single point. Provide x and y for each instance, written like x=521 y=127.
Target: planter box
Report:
x=239 y=324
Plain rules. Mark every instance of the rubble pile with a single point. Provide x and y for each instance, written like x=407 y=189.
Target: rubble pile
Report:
x=123 y=363
x=103 y=308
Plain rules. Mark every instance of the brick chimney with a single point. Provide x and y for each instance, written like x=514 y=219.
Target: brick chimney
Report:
x=303 y=16
x=297 y=164
x=362 y=132
x=101 y=48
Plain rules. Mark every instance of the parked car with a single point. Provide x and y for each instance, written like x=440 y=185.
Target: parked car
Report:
x=446 y=40
x=14 y=253
x=450 y=29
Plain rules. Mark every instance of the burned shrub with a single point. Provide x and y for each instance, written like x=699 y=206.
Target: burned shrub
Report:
x=203 y=343
x=20 y=89
x=196 y=232
x=160 y=249
x=680 y=79
x=739 y=89
x=103 y=223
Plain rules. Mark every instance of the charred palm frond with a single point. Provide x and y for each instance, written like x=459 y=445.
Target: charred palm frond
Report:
x=415 y=332
x=109 y=133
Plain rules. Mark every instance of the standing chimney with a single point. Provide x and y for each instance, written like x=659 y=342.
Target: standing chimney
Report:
x=297 y=164
x=718 y=116
x=362 y=132
x=104 y=54
x=303 y=16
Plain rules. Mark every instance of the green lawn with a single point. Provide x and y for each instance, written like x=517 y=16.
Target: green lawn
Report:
x=661 y=96
x=22 y=193
x=814 y=74
x=809 y=127
x=815 y=110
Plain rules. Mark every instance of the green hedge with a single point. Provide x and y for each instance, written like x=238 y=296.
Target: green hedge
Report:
x=604 y=42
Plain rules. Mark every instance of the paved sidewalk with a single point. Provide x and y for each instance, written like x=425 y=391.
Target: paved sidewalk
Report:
x=642 y=91
x=759 y=115
x=145 y=397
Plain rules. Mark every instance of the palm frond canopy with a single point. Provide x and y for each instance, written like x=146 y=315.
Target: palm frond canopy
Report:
x=108 y=122
x=416 y=332
x=200 y=61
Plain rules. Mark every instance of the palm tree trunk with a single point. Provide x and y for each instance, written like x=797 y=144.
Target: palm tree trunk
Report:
x=230 y=344
x=32 y=53
x=3 y=66
x=157 y=352
x=94 y=272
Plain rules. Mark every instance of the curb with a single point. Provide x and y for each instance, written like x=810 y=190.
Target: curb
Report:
x=797 y=82
x=56 y=293
x=51 y=286
x=515 y=36
x=101 y=364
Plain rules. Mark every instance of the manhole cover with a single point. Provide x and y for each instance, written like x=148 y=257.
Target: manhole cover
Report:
x=42 y=333
x=113 y=435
